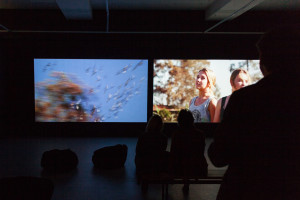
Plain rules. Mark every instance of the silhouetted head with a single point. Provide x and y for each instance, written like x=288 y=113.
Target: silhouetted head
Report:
x=279 y=50
x=185 y=119
x=239 y=78
x=155 y=124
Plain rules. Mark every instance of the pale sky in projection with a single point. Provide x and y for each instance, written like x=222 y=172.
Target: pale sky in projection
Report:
x=221 y=70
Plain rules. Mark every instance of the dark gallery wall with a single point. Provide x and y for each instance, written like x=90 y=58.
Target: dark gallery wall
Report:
x=19 y=48
x=3 y=88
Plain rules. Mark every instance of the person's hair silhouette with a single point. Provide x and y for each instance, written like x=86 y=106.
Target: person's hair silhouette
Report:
x=151 y=155
x=185 y=119
x=187 y=149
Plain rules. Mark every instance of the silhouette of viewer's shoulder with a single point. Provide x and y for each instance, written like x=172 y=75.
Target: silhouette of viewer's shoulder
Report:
x=259 y=137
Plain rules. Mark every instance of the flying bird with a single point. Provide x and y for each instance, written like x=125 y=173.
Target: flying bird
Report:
x=99 y=78
x=91 y=91
x=137 y=65
x=128 y=80
x=47 y=67
x=124 y=70
x=109 y=98
x=94 y=71
x=143 y=78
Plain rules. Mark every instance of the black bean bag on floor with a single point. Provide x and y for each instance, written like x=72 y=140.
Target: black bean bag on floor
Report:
x=110 y=157
x=59 y=160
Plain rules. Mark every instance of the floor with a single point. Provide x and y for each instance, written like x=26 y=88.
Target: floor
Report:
x=21 y=157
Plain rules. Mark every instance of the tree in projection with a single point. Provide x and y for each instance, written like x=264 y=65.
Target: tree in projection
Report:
x=251 y=66
x=174 y=82
x=60 y=100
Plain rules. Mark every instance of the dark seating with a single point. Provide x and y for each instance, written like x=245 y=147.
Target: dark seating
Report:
x=110 y=157
x=59 y=160
x=164 y=179
x=24 y=188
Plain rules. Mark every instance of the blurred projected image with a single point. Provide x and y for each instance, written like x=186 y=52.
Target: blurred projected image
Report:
x=90 y=90
x=194 y=84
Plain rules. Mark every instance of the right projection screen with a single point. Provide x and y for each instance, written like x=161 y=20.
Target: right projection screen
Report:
x=174 y=82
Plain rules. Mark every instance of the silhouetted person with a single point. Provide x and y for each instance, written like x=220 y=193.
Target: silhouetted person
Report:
x=259 y=137
x=187 y=149
x=151 y=148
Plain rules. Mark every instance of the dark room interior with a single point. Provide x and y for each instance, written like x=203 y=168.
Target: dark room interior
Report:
x=113 y=29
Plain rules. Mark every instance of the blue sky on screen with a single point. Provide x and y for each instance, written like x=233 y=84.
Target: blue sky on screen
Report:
x=107 y=81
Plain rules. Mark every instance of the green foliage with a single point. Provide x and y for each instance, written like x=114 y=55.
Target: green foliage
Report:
x=165 y=114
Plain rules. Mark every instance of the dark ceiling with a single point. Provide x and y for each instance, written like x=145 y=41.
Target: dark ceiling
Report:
x=254 y=16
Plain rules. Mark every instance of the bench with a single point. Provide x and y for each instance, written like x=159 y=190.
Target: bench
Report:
x=214 y=177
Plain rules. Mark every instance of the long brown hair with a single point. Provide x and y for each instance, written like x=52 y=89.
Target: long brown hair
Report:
x=236 y=72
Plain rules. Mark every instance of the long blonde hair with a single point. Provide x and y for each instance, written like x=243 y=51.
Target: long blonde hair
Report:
x=211 y=77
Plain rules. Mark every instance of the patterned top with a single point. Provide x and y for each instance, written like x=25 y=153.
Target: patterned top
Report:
x=200 y=112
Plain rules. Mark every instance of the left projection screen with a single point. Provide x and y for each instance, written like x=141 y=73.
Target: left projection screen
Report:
x=90 y=90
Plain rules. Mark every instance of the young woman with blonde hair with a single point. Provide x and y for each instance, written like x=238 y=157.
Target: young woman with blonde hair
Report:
x=203 y=106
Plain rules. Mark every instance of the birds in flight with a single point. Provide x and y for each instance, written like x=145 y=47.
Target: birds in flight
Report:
x=112 y=98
